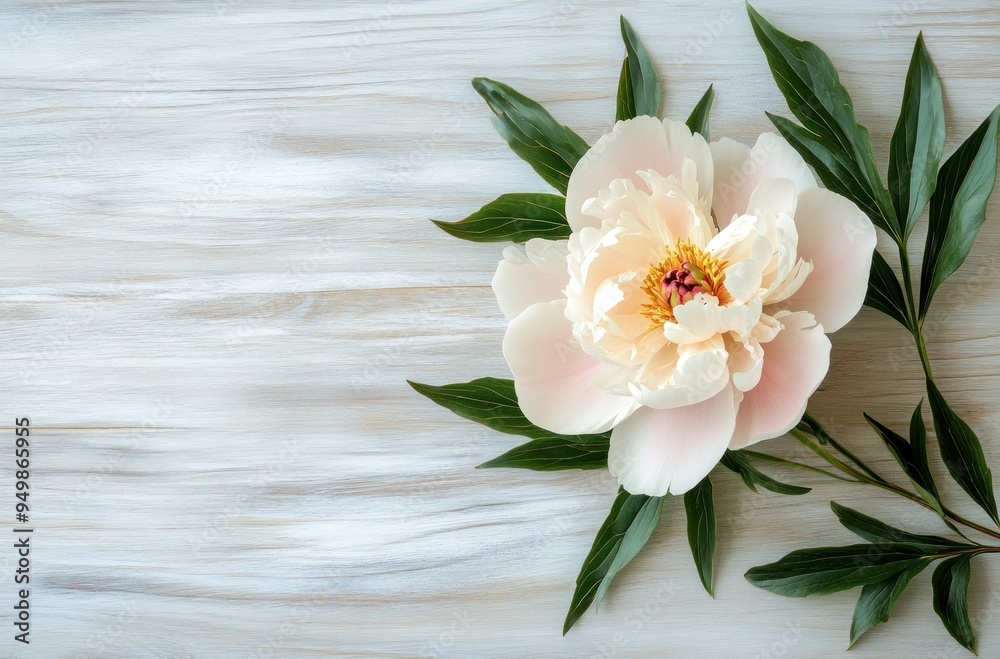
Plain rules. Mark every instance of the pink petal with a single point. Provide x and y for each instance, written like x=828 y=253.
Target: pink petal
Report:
x=774 y=195
x=795 y=363
x=839 y=240
x=541 y=276
x=740 y=169
x=554 y=378
x=632 y=146
x=658 y=451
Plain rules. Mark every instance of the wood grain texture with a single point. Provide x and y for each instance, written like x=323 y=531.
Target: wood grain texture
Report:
x=218 y=271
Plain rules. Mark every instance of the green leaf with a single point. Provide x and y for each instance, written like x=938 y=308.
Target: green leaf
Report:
x=951 y=599
x=632 y=542
x=881 y=533
x=627 y=511
x=515 y=217
x=555 y=454
x=699 y=503
x=958 y=207
x=918 y=141
x=962 y=453
x=912 y=456
x=642 y=93
x=885 y=293
x=550 y=148
x=831 y=135
x=493 y=403
x=835 y=169
x=878 y=599
x=625 y=106
x=737 y=462
x=698 y=121
x=826 y=570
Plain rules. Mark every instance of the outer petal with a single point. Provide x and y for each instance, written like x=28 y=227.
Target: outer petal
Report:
x=839 y=240
x=656 y=451
x=635 y=145
x=795 y=363
x=540 y=277
x=740 y=169
x=553 y=377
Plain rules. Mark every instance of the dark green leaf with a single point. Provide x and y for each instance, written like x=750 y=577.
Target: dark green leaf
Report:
x=826 y=570
x=698 y=121
x=632 y=542
x=912 y=457
x=951 y=599
x=958 y=207
x=625 y=107
x=515 y=217
x=962 y=453
x=881 y=533
x=736 y=462
x=835 y=169
x=885 y=293
x=878 y=599
x=627 y=510
x=554 y=454
x=550 y=148
x=831 y=141
x=644 y=86
x=918 y=141
x=493 y=403
x=699 y=503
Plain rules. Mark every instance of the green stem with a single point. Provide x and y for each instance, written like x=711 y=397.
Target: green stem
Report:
x=765 y=457
x=904 y=264
x=925 y=361
x=916 y=322
x=807 y=441
x=822 y=435
x=882 y=484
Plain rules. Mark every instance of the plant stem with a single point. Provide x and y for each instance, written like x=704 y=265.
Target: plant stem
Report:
x=765 y=457
x=925 y=361
x=822 y=435
x=868 y=480
x=826 y=455
x=904 y=265
x=916 y=322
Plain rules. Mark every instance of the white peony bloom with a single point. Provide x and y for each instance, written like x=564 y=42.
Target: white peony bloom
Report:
x=689 y=309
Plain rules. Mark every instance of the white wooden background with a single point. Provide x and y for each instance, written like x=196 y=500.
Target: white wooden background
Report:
x=217 y=272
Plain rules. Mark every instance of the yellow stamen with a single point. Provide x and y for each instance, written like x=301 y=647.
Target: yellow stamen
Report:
x=685 y=271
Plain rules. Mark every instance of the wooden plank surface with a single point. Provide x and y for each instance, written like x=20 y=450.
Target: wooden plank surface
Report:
x=218 y=271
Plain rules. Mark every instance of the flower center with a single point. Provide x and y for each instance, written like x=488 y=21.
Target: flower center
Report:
x=684 y=272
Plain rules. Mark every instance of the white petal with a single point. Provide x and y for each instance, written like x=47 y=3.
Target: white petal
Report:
x=699 y=373
x=746 y=363
x=743 y=278
x=773 y=195
x=740 y=169
x=554 y=378
x=522 y=281
x=839 y=240
x=643 y=143
x=658 y=451
x=795 y=363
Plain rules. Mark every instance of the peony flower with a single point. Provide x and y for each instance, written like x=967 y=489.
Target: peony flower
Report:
x=688 y=311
